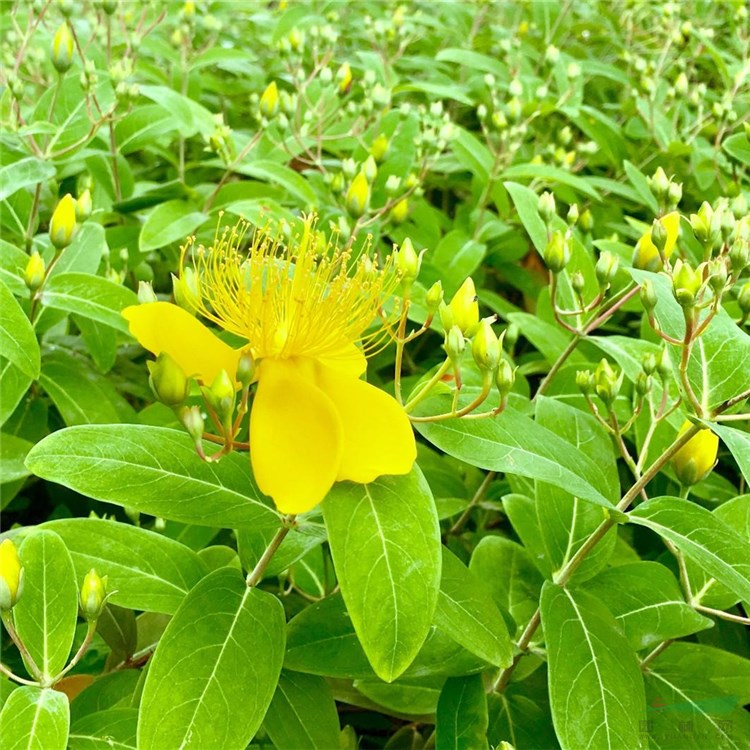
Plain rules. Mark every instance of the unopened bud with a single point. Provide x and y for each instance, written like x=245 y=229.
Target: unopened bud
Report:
x=703 y=223
x=586 y=222
x=717 y=275
x=647 y=256
x=585 y=381
x=546 y=205
x=455 y=344
x=11 y=575
x=93 y=595
x=344 y=77
x=675 y=194
x=648 y=295
x=557 y=252
x=246 y=369
x=739 y=207
x=269 y=101
x=573 y=215
x=648 y=363
x=191 y=418
x=434 y=297
x=578 y=282
x=642 y=384
x=606 y=268
x=694 y=461
x=84 y=206
x=63 y=223
x=358 y=195
x=659 y=235
x=370 y=169
x=743 y=298
x=62 y=49
x=220 y=396
x=146 y=293
x=109 y=6
x=187 y=289
x=465 y=308
x=400 y=211
x=408 y=262
x=167 y=380
x=686 y=282
x=606 y=382
x=659 y=184
x=485 y=347
x=379 y=148
x=505 y=377
x=739 y=255
x=392 y=185
x=34 y=272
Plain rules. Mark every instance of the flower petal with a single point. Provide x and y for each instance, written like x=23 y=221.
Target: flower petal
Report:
x=348 y=360
x=164 y=327
x=378 y=438
x=295 y=436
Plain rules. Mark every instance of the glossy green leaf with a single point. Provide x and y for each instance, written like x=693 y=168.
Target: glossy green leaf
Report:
x=701 y=537
x=738 y=146
x=302 y=714
x=638 y=180
x=527 y=204
x=219 y=658
x=46 y=614
x=169 y=222
x=514 y=443
x=461 y=720
x=13 y=451
x=24 y=173
x=738 y=442
x=467 y=613
x=595 y=684
x=18 y=342
x=154 y=470
x=280 y=174
x=647 y=602
x=90 y=296
x=385 y=541
x=146 y=571
x=114 y=728
x=13 y=385
x=35 y=719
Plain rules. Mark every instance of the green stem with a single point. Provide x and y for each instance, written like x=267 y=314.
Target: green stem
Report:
x=478 y=496
x=28 y=659
x=428 y=386
x=256 y=574
x=90 y=632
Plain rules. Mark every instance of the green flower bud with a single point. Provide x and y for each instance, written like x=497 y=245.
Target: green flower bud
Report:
x=146 y=293
x=269 y=101
x=11 y=575
x=93 y=595
x=648 y=363
x=191 y=418
x=63 y=223
x=648 y=295
x=573 y=215
x=392 y=185
x=511 y=335
x=586 y=222
x=659 y=235
x=686 y=282
x=607 y=383
x=358 y=195
x=485 y=347
x=663 y=364
x=370 y=169
x=379 y=148
x=446 y=316
x=739 y=207
x=739 y=255
x=717 y=275
x=246 y=369
x=578 y=282
x=505 y=377
x=743 y=298
x=659 y=184
x=642 y=384
x=221 y=396
x=84 y=206
x=34 y=272
x=454 y=344
x=557 y=252
x=434 y=297
x=585 y=381
x=167 y=380
x=109 y=6
x=408 y=262
x=62 y=49
x=187 y=289
x=606 y=268
x=400 y=211
x=675 y=194
x=705 y=223
x=546 y=205
x=465 y=308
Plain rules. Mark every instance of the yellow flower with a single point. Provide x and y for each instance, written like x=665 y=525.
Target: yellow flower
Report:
x=696 y=458
x=646 y=255
x=303 y=309
x=63 y=222
x=11 y=575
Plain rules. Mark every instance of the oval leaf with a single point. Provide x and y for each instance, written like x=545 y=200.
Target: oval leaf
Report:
x=18 y=342
x=461 y=719
x=35 y=718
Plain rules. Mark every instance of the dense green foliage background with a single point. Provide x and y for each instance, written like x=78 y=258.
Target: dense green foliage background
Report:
x=471 y=110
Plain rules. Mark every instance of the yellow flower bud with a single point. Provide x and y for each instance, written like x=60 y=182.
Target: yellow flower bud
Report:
x=34 y=272
x=408 y=262
x=607 y=382
x=84 y=206
x=93 y=595
x=344 y=77
x=697 y=457
x=465 y=308
x=269 y=101
x=400 y=211
x=686 y=282
x=63 y=223
x=221 y=396
x=485 y=347
x=167 y=380
x=646 y=256
x=370 y=169
x=379 y=148
x=11 y=575
x=434 y=297
x=62 y=49
x=358 y=195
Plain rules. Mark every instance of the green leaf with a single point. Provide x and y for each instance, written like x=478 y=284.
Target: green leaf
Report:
x=385 y=542
x=24 y=173
x=549 y=339
x=467 y=613
x=565 y=522
x=153 y=470
x=527 y=204
x=738 y=146
x=13 y=451
x=13 y=386
x=46 y=614
x=638 y=180
x=595 y=684
x=169 y=222
x=35 y=718
x=473 y=60
x=114 y=728
x=146 y=570
x=472 y=154
x=112 y=690
x=701 y=537
x=219 y=659
x=519 y=720
x=90 y=296
x=302 y=714
x=647 y=602
x=738 y=442
x=461 y=720
x=18 y=342
x=548 y=173
x=514 y=443
x=279 y=174
x=517 y=594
